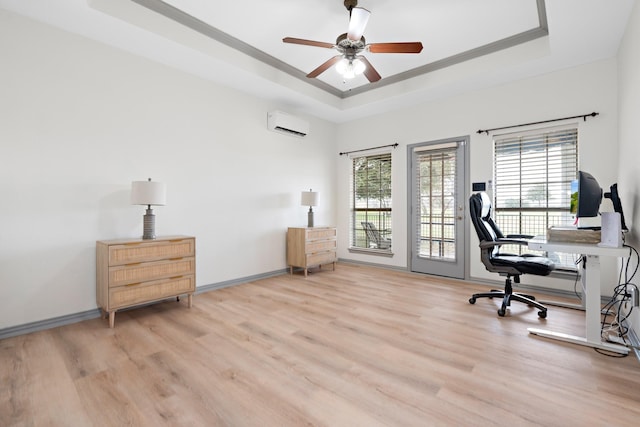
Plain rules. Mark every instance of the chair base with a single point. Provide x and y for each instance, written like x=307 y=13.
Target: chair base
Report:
x=507 y=296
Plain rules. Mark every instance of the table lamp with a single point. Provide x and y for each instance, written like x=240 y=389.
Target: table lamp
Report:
x=309 y=198
x=149 y=193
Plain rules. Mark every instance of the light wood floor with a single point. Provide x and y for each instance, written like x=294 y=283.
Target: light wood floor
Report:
x=357 y=346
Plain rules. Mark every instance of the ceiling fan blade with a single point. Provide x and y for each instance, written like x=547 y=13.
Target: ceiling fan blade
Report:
x=369 y=72
x=307 y=42
x=357 y=23
x=402 y=47
x=326 y=65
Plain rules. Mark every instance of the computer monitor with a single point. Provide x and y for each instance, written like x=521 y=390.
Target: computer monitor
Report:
x=617 y=204
x=586 y=196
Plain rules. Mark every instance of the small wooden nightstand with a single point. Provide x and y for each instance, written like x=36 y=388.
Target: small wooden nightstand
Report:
x=131 y=272
x=311 y=246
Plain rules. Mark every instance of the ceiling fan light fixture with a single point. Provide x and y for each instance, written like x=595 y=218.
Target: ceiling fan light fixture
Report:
x=358 y=66
x=348 y=69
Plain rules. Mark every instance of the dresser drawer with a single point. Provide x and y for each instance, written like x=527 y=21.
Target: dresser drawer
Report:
x=321 y=233
x=133 y=294
x=320 y=246
x=143 y=272
x=129 y=253
x=321 y=258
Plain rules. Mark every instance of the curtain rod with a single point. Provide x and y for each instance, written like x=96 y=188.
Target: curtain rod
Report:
x=372 y=148
x=583 y=116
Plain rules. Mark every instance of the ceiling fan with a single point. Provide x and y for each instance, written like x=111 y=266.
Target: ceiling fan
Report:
x=352 y=43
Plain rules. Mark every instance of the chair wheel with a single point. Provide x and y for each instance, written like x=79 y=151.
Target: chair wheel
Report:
x=542 y=314
x=502 y=312
x=472 y=300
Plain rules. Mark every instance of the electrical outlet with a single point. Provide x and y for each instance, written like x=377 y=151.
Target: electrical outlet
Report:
x=625 y=300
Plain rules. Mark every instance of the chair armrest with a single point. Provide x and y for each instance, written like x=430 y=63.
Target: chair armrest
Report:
x=519 y=236
x=490 y=244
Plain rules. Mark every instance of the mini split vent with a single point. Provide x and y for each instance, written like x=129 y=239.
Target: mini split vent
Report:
x=278 y=121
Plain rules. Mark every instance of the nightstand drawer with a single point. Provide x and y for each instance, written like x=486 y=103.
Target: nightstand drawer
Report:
x=143 y=272
x=129 y=253
x=134 y=294
x=321 y=258
x=321 y=246
x=321 y=233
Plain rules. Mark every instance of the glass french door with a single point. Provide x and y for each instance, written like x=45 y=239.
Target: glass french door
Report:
x=438 y=207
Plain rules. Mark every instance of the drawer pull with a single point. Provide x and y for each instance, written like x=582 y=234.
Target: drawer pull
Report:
x=175 y=277
x=133 y=284
x=133 y=243
x=176 y=240
x=133 y=263
x=175 y=259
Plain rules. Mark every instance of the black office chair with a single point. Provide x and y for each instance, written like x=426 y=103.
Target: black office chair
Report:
x=510 y=265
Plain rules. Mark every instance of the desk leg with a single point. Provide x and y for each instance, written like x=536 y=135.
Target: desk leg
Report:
x=591 y=287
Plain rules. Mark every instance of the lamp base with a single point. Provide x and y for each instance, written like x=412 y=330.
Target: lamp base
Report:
x=310 y=218
x=149 y=225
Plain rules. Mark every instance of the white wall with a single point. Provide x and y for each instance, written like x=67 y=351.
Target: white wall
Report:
x=570 y=92
x=80 y=121
x=629 y=159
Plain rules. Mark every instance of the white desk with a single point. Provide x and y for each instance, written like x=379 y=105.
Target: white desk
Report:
x=591 y=287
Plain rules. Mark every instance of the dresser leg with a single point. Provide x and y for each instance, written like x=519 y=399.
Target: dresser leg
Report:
x=305 y=272
x=190 y=300
x=112 y=319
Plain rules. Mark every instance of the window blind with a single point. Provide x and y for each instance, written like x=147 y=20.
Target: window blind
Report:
x=534 y=171
x=436 y=188
x=370 y=198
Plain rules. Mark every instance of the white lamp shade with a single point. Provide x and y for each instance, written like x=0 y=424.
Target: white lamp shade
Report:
x=148 y=193
x=309 y=198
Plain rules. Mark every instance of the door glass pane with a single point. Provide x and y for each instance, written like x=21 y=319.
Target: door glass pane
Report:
x=436 y=183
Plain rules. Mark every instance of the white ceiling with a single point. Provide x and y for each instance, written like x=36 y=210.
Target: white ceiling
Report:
x=468 y=44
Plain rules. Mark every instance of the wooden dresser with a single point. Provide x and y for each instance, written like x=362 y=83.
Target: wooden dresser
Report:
x=131 y=272
x=311 y=246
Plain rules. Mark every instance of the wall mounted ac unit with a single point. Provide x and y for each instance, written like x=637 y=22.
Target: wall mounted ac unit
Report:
x=278 y=121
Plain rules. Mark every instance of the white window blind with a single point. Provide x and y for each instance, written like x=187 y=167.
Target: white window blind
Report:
x=371 y=201
x=436 y=183
x=532 y=180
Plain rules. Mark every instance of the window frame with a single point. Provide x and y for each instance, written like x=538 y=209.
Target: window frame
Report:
x=551 y=153
x=380 y=212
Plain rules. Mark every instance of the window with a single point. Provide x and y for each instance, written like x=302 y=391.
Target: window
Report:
x=532 y=183
x=371 y=202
